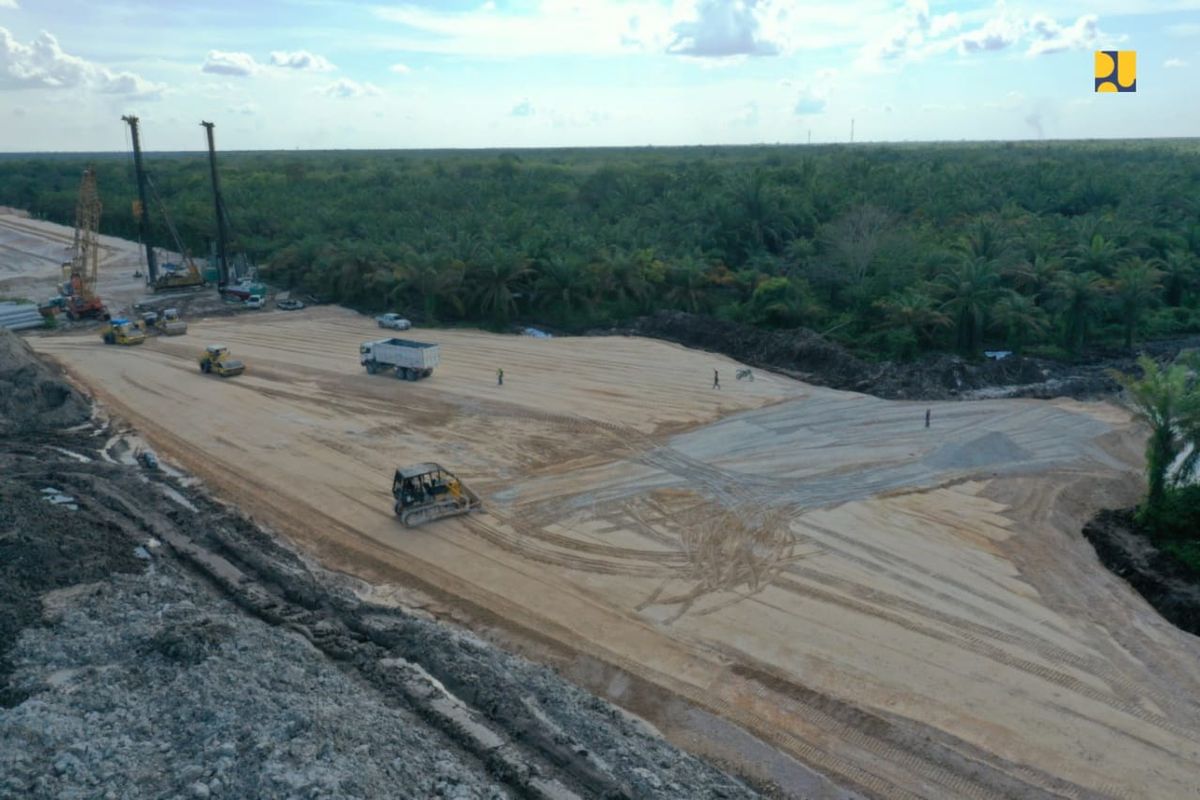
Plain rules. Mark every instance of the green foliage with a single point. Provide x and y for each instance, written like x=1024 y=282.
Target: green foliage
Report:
x=1186 y=546
x=1174 y=524
x=1168 y=400
x=1162 y=398
x=896 y=249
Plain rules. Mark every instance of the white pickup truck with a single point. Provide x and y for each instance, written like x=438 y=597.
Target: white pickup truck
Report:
x=393 y=321
x=409 y=360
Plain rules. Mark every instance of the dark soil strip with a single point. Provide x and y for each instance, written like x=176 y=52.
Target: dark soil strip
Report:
x=1172 y=588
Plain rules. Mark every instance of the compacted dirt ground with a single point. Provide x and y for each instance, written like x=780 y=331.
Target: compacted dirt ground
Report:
x=156 y=643
x=889 y=609
x=805 y=584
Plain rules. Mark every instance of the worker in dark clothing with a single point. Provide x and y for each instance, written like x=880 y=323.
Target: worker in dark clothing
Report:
x=927 y=418
x=500 y=376
x=716 y=379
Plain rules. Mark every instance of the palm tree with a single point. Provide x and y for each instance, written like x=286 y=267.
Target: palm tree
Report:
x=1179 y=275
x=1077 y=296
x=1021 y=317
x=986 y=238
x=493 y=285
x=914 y=311
x=687 y=282
x=436 y=280
x=1035 y=276
x=561 y=286
x=1135 y=289
x=969 y=289
x=1159 y=397
x=1099 y=255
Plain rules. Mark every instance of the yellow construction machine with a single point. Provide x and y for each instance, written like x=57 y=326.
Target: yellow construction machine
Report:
x=425 y=492
x=170 y=323
x=122 y=331
x=216 y=358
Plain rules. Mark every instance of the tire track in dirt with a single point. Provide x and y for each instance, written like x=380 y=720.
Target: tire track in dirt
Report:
x=979 y=646
x=1006 y=632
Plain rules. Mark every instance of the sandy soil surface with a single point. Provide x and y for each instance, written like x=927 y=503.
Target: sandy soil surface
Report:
x=907 y=612
x=32 y=253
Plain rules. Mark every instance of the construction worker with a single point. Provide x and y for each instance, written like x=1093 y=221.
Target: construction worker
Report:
x=500 y=376
x=716 y=379
x=927 y=412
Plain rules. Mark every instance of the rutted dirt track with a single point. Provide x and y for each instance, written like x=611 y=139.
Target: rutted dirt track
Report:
x=909 y=612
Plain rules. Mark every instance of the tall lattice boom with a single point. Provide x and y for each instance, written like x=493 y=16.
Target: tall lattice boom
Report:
x=85 y=256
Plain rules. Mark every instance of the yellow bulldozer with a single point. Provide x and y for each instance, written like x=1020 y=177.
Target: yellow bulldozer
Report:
x=121 y=331
x=216 y=358
x=425 y=492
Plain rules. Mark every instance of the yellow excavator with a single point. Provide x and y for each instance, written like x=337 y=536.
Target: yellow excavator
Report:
x=216 y=358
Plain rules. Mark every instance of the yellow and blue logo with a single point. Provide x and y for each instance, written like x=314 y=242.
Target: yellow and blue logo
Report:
x=1116 y=70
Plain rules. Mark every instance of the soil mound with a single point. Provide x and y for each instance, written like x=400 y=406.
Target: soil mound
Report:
x=983 y=451
x=808 y=356
x=34 y=396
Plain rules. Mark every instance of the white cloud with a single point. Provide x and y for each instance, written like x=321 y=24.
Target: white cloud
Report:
x=1183 y=29
x=400 y=69
x=1010 y=102
x=348 y=88
x=301 y=59
x=9 y=4
x=42 y=64
x=747 y=115
x=557 y=27
x=813 y=97
x=911 y=35
x=995 y=34
x=1051 y=38
x=248 y=109
x=722 y=28
x=1174 y=63
x=222 y=63
x=523 y=109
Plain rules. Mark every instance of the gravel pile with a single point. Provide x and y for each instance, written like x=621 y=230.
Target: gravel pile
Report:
x=136 y=690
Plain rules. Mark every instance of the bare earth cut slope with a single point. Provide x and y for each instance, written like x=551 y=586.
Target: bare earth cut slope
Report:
x=908 y=612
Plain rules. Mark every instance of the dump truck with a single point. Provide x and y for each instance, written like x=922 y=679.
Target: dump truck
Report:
x=425 y=492
x=121 y=331
x=170 y=323
x=216 y=358
x=407 y=359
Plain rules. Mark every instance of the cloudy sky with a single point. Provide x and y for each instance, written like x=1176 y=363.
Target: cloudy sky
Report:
x=528 y=73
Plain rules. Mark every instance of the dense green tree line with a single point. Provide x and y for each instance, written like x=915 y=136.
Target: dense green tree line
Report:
x=892 y=250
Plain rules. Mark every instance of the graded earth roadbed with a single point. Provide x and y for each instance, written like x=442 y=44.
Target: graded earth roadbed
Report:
x=910 y=612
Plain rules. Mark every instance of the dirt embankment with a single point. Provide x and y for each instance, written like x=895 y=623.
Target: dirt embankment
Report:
x=33 y=394
x=154 y=642
x=810 y=357
x=1171 y=588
